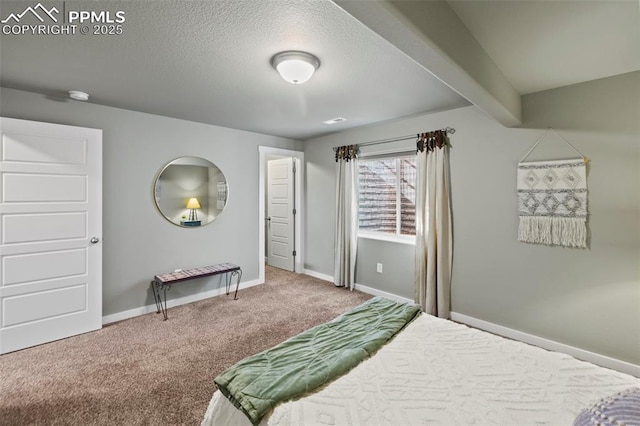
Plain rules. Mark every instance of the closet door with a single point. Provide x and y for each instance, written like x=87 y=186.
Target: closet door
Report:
x=50 y=232
x=281 y=217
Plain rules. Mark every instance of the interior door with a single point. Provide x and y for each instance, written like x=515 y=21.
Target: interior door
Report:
x=50 y=230
x=280 y=213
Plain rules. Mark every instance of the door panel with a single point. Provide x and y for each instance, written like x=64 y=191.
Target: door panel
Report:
x=280 y=204
x=279 y=210
x=42 y=286
x=43 y=188
x=39 y=266
x=24 y=228
x=51 y=206
x=44 y=305
x=39 y=149
x=279 y=250
x=280 y=231
x=279 y=191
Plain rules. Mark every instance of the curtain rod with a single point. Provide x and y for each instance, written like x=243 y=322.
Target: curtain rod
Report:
x=450 y=130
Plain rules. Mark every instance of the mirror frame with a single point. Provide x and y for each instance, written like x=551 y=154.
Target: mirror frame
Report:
x=156 y=189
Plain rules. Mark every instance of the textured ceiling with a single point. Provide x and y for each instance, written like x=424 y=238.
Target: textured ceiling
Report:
x=209 y=61
x=541 y=45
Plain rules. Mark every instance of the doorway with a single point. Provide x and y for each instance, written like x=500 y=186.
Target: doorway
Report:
x=280 y=209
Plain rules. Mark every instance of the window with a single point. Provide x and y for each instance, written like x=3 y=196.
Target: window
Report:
x=387 y=200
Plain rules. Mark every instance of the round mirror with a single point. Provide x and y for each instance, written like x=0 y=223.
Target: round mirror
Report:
x=190 y=191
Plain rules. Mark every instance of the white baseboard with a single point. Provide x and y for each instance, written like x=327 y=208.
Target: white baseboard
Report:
x=360 y=287
x=318 y=275
x=376 y=292
x=119 y=316
x=602 y=360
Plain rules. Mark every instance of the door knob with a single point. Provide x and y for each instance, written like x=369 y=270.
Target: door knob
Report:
x=94 y=240
x=268 y=219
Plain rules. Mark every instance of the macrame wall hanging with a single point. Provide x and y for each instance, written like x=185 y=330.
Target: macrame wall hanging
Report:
x=552 y=200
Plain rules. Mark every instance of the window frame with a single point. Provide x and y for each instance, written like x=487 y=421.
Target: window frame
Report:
x=398 y=237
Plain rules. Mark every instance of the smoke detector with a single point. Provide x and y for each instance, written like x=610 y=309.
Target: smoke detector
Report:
x=78 y=95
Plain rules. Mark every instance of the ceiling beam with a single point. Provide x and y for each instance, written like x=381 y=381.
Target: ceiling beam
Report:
x=432 y=35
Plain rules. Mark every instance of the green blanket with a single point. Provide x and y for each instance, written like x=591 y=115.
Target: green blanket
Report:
x=313 y=358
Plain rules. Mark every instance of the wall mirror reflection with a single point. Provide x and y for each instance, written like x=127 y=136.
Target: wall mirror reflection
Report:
x=190 y=191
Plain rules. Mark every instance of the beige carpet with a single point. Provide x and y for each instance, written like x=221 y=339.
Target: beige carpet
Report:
x=144 y=371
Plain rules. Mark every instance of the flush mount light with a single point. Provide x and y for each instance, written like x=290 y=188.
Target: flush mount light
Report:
x=78 y=96
x=294 y=66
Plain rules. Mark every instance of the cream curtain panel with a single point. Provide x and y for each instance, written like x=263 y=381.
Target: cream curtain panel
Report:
x=434 y=240
x=346 y=231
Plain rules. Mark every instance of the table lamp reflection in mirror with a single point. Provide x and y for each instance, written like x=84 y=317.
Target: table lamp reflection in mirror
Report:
x=193 y=205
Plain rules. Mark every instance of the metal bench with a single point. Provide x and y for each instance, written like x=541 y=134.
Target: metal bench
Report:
x=162 y=283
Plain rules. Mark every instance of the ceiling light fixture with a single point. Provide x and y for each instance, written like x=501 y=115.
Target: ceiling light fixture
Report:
x=78 y=95
x=294 y=66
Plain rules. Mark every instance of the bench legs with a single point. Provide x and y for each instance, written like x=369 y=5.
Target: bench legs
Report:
x=237 y=273
x=157 y=287
x=160 y=291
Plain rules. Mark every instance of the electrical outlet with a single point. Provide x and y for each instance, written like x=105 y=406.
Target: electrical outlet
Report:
x=379 y=268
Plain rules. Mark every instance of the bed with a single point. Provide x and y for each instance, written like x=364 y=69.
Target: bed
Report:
x=435 y=371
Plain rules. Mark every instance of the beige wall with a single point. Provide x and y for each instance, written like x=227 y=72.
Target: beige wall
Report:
x=589 y=299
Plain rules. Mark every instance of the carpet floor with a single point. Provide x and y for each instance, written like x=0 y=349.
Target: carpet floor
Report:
x=143 y=371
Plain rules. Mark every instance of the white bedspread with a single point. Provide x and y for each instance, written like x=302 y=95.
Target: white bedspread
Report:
x=438 y=372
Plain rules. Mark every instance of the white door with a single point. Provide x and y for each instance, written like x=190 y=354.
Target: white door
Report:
x=50 y=230
x=280 y=213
